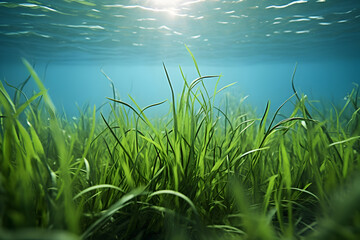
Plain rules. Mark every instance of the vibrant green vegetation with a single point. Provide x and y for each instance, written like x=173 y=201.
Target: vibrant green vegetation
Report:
x=202 y=172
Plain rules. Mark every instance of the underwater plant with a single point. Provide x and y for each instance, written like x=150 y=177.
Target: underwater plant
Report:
x=203 y=171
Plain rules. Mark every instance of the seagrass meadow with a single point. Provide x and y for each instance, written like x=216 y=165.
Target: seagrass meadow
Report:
x=209 y=169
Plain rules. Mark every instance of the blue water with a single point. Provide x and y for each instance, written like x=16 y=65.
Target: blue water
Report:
x=254 y=43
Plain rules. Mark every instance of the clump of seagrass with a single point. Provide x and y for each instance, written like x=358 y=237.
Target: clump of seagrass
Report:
x=204 y=171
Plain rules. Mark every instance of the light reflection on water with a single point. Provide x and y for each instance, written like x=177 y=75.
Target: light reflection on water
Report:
x=151 y=29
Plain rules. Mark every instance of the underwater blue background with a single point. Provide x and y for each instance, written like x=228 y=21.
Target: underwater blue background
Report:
x=254 y=43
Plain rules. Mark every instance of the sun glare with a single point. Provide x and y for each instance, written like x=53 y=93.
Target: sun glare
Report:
x=165 y=3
